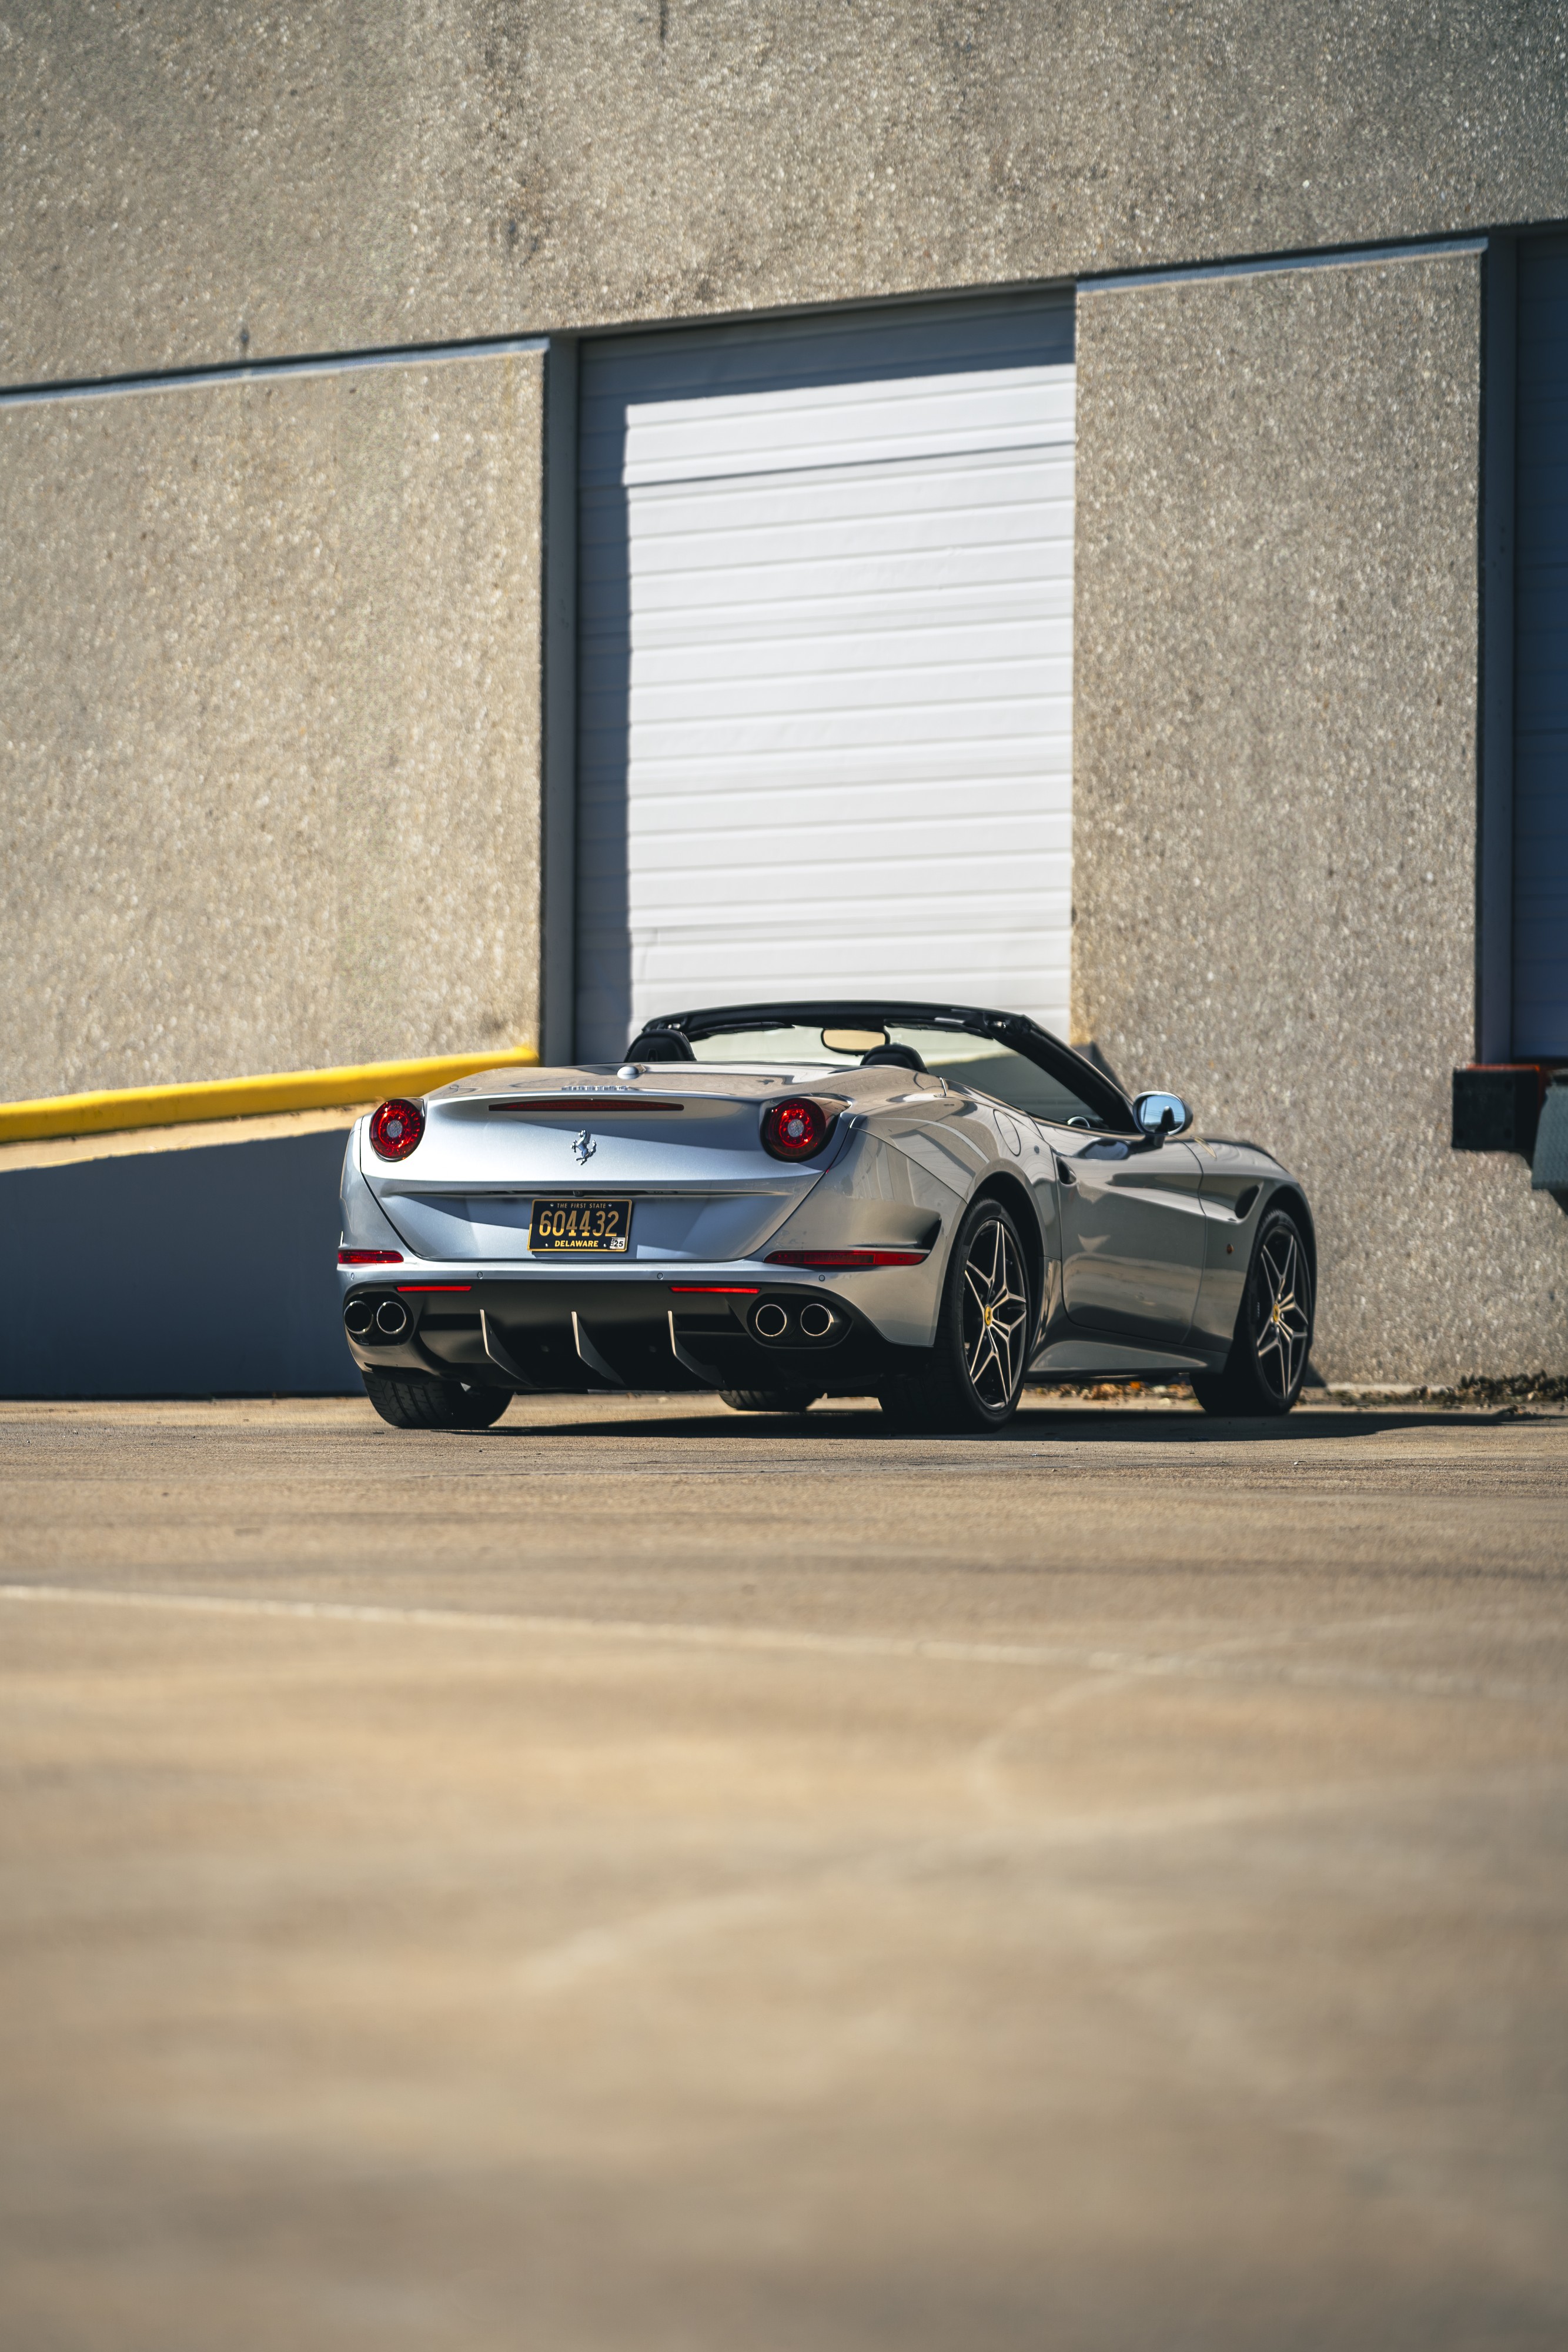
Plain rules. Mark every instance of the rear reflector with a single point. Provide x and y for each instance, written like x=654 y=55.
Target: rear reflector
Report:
x=844 y=1261
x=370 y=1257
x=407 y=1289
x=712 y=1290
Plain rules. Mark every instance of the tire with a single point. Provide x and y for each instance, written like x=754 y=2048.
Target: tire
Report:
x=973 y=1377
x=416 y=1403
x=769 y=1400
x=1268 y=1359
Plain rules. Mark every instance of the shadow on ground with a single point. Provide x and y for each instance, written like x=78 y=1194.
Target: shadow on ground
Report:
x=1082 y=1424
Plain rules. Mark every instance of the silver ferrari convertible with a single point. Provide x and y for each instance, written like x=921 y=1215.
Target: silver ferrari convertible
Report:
x=925 y=1203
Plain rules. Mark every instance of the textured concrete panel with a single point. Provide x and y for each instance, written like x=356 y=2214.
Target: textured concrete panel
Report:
x=270 y=749
x=193 y=180
x=1275 y=773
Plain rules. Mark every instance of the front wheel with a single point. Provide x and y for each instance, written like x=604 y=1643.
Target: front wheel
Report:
x=418 y=1402
x=973 y=1376
x=1268 y=1359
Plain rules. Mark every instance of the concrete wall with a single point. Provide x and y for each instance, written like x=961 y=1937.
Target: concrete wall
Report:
x=271 y=781
x=171 y=1270
x=188 y=181
x=270 y=771
x=1276 y=773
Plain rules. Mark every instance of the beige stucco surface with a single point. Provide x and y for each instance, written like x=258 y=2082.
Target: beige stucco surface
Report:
x=193 y=180
x=269 y=754
x=1276 y=778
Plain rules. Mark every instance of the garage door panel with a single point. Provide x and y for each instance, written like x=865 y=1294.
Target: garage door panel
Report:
x=988 y=487
x=951 y=647
x=881 y=770
x=698 y=976
x=825 y=639
x=692 y=970
x=836 y=556
x=988 y=692
x=842 y=766
x=806 y=439
x=957 y=505
x=680 y=892
x=995 y=804
x=776 y=735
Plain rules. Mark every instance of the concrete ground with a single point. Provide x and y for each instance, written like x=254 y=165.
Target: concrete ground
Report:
x=645 y=1878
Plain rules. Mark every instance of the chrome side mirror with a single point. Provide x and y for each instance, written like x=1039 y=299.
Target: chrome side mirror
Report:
x=1160 y=1115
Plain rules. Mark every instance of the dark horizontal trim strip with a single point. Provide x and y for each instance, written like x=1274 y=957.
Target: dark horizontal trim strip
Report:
x=601 y=1105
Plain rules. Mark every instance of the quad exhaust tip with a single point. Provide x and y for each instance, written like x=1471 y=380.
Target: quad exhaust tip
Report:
x=369 y=1319
x=773 y=1321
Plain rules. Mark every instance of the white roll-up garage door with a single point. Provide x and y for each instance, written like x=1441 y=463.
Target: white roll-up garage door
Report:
x=825 y=663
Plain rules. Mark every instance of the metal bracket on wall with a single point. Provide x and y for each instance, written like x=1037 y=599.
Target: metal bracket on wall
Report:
x=1497 y=1107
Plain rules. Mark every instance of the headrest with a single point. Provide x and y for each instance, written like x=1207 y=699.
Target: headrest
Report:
x=892 y=1057
x=661 y=1046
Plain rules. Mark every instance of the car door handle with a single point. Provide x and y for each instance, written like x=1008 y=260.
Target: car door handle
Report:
x=1064 y=1170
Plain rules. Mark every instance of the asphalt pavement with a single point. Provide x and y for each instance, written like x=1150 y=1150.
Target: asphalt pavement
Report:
x=643 y=1879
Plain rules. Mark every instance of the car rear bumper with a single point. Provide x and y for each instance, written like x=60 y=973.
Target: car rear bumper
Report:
x=583 y=1333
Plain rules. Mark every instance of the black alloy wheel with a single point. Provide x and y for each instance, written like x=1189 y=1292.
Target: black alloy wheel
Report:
x=769 y=1400
x=974 y=1375
x=414 y=1401
x=1268 y=1359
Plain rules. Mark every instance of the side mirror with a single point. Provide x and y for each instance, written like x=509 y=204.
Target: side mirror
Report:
x=1160 y=1115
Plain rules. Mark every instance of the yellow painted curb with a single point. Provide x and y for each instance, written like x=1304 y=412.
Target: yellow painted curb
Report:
x=127 y=1107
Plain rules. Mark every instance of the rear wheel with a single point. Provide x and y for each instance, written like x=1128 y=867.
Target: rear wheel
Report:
x=769 y=1400
x=415 y=1402
x=1268 y=1359
x=973 y=1377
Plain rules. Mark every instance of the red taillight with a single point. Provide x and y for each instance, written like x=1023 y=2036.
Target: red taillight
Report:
x=370 y=1257
x=409 y=1289
x=794 y=1130
x=396 y=1128
x=712 y=1290
x=843 y=1261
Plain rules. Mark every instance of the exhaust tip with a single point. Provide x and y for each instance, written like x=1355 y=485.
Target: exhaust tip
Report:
x=770 y=1322
x=817 y=1320
x=359 y=1318
x=391 y=1319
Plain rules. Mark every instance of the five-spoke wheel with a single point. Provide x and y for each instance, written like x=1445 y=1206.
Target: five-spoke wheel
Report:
x=995 y=1313
x=1268 y=1358
x=971 y=1378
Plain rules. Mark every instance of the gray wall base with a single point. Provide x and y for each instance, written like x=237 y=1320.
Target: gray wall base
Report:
x=208 y=1272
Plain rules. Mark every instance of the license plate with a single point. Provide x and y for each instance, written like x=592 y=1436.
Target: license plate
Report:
x=558 y=1227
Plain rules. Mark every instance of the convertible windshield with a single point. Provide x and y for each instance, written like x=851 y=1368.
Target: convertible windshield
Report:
x=983 y=1064
x=990 y=1067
